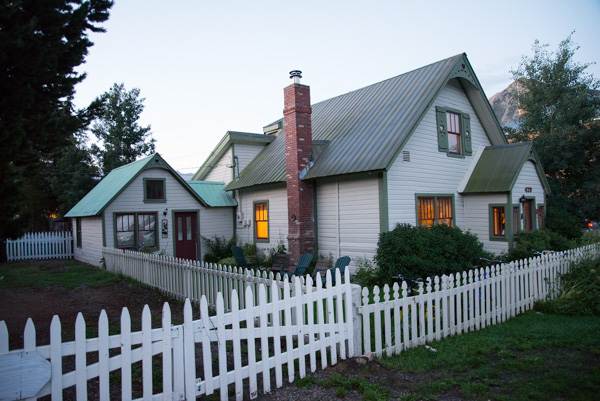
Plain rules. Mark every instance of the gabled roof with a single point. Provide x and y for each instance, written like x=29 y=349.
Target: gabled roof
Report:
x=117 y=180
x=230 y=138
x=499 y=167
x=368 y=127
x=213 y=193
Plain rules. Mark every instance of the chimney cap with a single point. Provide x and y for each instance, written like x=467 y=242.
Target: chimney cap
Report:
x=296 y=75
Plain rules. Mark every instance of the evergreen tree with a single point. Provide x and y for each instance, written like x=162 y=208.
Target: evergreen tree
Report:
x=560 y=104
x=41 y=44
x=122 y=139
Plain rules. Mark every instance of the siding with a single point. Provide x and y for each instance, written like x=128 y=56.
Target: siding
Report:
x=431 y=171
x=91 y=240
x=278 y=223
x=348 y=217
x=478 y=219
x=220 y=172
x=216 y=221
x=246 y=153
x=132 y=200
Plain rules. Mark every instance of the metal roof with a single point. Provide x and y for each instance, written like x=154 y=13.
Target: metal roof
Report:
x=213 y=193
x=498 y=168
x=118 y=179
x=368 y=127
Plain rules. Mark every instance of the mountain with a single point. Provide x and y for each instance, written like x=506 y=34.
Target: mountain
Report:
x=502 y=104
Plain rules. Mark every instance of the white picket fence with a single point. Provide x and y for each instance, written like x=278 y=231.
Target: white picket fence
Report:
x=48 y=245
x=312 y=328
x=184 y=278
x=393 y=321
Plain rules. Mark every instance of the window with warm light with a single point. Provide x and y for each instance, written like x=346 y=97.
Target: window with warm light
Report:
x=499 y=221
x=261 y=220
x=434 y=210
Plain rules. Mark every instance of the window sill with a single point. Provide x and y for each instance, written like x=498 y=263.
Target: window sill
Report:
x=155 y=201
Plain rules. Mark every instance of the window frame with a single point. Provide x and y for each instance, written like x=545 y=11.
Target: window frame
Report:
x=465 y=135
x=147 y=199
x=435 y=197
x=492 y=222
x=136 y=230
x=266 y=207
x=78 y=236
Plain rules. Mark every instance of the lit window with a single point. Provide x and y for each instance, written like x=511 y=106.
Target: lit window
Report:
x=499 y=221
x=434 y=210
x=261 y=220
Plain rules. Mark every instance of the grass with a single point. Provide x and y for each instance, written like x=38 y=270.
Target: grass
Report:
x=531 y=357
x=69 y=275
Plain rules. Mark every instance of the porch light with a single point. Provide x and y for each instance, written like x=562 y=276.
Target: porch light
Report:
x=523 y=199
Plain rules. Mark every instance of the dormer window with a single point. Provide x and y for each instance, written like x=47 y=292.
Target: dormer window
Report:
x=154 y=190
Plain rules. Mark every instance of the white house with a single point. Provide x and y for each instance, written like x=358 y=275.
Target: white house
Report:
x=147 y=205
x=421 y=148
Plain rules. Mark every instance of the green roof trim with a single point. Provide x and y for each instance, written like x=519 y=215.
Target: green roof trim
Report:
x=213 y=193
x=499 y=167
x=107 y=190
x=367 y=128
x=229 y=139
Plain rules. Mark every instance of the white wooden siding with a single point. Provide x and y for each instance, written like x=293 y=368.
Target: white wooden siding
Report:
x=348 y=217
x=276 y=195
x=132 y=200
x=220 y=172
x=477 y=216
x=246 y=153
x=216 y=221
x=430 y=171
x=91 y=240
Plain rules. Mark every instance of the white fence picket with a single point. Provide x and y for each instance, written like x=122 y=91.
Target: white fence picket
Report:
x=46 y=245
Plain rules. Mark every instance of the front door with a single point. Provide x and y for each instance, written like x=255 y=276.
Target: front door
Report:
x=528 y=215
x=185 y=235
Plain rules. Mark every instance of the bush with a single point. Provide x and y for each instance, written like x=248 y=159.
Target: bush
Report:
x=580 y=294
x=539 y=240
x=424 y=252
x=563 y=223
x=217 y=248
x=366 y=274
x=589 y=238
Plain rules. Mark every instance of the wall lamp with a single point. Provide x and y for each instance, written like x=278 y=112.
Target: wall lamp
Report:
x=523 y=199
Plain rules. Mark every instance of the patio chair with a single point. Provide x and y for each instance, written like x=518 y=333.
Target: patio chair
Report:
x=240 y=260
x=301 y=267
x=280 y=260
x=340 y=264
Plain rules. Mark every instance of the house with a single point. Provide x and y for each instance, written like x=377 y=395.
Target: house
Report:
x=422 y=148
x=147 y=205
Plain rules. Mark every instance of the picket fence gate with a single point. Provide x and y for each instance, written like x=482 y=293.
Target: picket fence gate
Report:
x=445 y=306
x=48 y=245
x=312 y=328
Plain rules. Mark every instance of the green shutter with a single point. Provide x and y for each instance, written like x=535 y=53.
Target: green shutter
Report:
x=467 y=134
x=442 y=129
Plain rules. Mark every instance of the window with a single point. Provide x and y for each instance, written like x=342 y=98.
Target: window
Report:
x=540 y=216
x=154 y=190
x=261 y=220
x=434 y=210
x=454 y=132
x=78 y=229
x=498 y=228
x=135 y=230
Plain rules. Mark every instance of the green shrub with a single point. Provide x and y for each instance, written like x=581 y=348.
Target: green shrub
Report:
x=230 y=261
x=538 y=240
x=580 y=294
x=268 y=259
x=416 y=251
x=366 y=274
x=562 y=222
x=217 y=248
x=589 y=238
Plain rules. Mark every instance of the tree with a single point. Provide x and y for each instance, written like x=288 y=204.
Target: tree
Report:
x=123 y=140
x=560 y=104
x=41 y=44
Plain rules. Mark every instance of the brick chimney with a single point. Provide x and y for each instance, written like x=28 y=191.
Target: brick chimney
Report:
x=298 y=147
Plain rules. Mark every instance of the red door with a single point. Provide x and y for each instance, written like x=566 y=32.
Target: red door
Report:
x=185 y=235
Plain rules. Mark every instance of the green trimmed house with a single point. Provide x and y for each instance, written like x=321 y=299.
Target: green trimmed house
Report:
x=147 y=205
x=421 y=148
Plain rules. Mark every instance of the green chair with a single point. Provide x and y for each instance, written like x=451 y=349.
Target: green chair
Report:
x=340 y=264
x=240 y=260
x=301 y=267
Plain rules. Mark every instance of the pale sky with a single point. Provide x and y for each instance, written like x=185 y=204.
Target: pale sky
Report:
x=206 y=67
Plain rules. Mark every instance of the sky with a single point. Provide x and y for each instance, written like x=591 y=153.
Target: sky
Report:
x=208 y=67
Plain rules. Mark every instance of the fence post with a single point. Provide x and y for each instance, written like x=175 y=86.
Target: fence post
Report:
x=356 y=320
